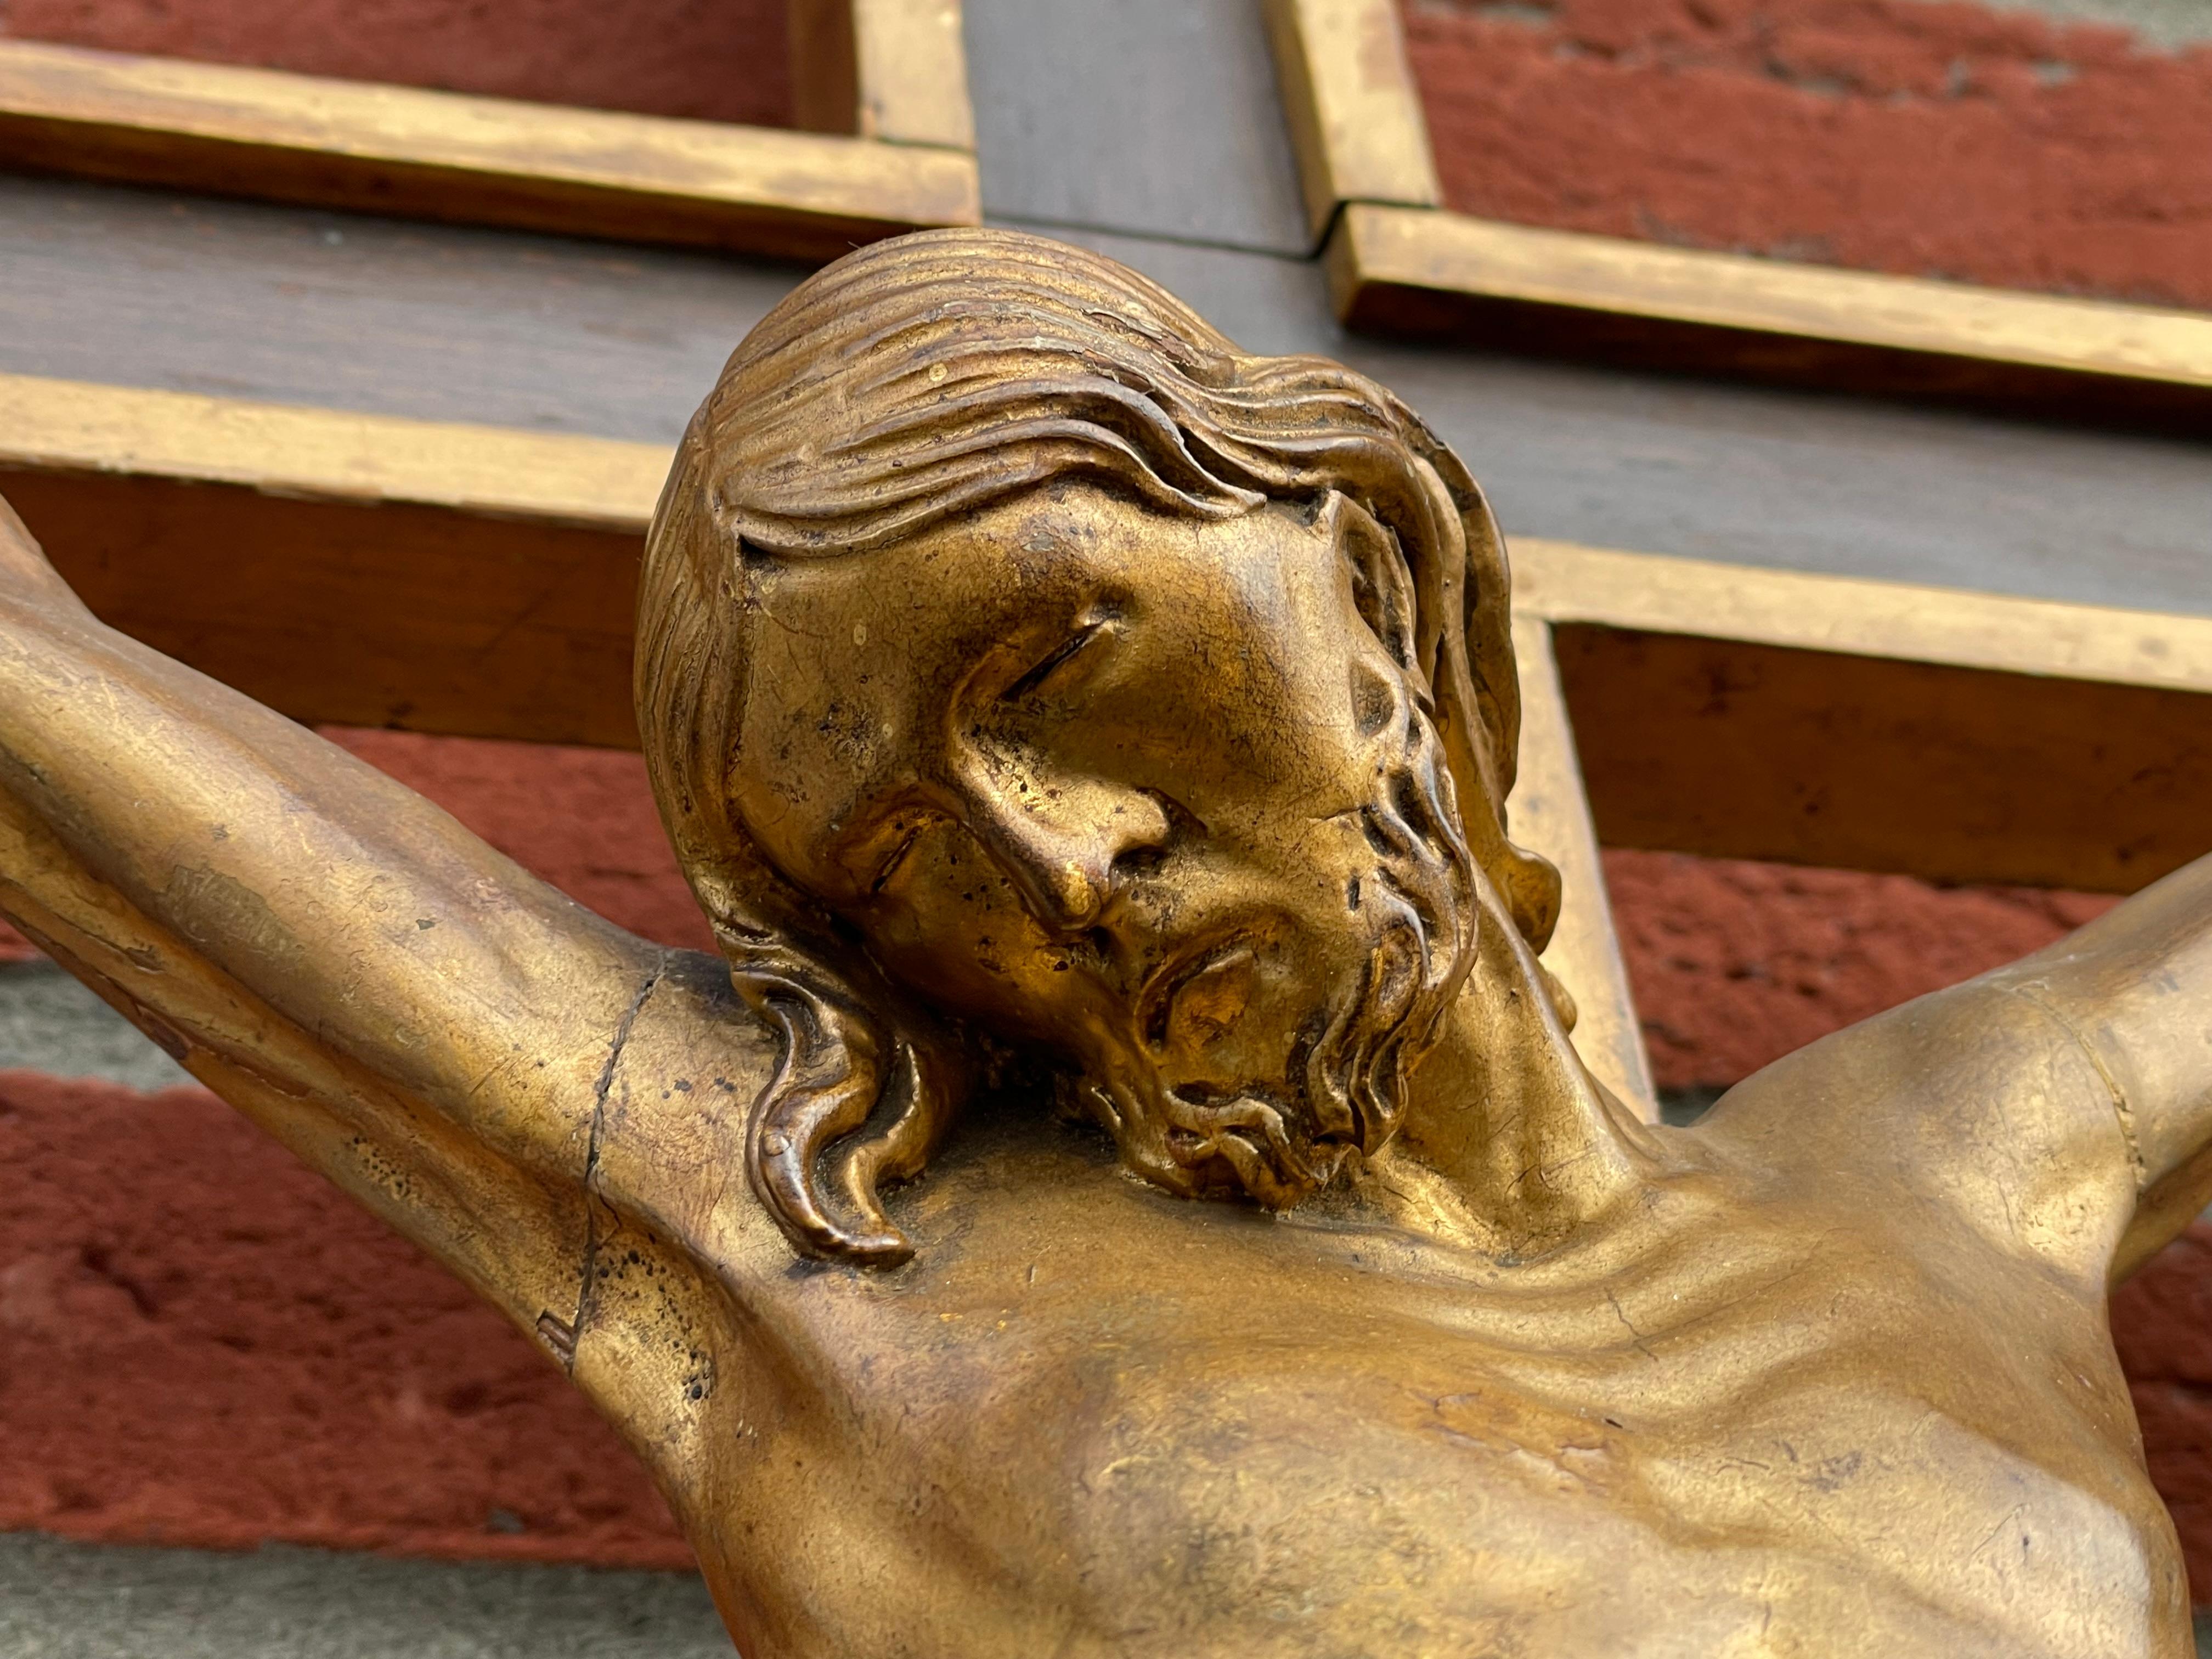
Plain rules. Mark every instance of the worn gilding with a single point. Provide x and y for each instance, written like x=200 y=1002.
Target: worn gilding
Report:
x=1126 y=1185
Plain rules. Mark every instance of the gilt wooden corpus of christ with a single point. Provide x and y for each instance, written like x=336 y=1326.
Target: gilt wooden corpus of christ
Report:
x=1129 y=1184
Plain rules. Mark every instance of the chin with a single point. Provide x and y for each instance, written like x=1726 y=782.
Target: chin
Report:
x=1279 y=1140
x=1265 y=1142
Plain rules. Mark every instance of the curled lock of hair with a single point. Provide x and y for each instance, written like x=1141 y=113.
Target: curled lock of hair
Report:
x=856 y=1049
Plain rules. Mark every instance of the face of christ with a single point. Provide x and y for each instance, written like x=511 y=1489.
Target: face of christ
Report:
x=1148 y=793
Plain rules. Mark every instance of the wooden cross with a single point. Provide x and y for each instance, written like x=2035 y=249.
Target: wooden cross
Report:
x=1926 y=636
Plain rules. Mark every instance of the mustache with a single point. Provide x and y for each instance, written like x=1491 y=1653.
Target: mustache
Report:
x=1346 y=1092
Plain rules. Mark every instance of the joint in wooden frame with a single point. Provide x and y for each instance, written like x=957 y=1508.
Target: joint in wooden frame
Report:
x=1355 y=114
x=889 y=70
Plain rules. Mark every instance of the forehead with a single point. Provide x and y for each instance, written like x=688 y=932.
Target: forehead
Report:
x=962 y=580
x=927 y=610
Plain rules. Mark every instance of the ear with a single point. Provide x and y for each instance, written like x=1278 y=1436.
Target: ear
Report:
x=1382 y=584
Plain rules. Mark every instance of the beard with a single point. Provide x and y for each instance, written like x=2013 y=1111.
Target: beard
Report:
x=1279 y=1139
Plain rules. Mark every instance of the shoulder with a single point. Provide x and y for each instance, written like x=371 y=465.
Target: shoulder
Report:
x=1978 y=1100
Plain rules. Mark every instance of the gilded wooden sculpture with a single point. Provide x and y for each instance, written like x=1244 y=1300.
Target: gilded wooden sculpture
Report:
x=1128 y=1187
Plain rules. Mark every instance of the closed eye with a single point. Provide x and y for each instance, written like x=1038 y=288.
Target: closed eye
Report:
x=889 y=867
x=898 y=829
x=1058 y=659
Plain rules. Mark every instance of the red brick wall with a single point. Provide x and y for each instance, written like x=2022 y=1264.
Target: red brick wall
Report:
x=1736 y=964
x=1930 y=139
x=716 y=60
x=201 y=1342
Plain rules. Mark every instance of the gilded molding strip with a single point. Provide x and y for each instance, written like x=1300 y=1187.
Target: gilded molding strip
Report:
x=328 y=455
x=1393 y=267
x=1550 y=815
x=1562 y=582
x=400 y=149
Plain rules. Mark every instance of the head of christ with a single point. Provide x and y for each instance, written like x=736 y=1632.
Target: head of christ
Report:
x=1017 y=657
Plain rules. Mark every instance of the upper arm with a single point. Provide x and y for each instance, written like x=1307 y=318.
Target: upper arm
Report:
x=2062 y=1105
x=1972 y=1106
x=2135 y=990
x=412 y=1011
x=362 y=913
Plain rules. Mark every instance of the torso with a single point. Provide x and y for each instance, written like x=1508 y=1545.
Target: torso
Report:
x=1751 y=1418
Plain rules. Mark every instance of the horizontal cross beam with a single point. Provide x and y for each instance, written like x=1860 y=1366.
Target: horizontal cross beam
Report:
x=473 y=579
x=379 y=571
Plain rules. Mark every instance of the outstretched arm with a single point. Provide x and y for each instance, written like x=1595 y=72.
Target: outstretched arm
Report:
x=412 y=1012
x=2062 y=1105
x=2135 y=990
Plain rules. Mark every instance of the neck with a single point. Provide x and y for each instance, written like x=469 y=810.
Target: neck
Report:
x=1507 y=1141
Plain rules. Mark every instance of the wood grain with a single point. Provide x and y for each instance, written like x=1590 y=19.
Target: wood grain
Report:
x=364 y=569
x=1734 y=749
x=367 y=613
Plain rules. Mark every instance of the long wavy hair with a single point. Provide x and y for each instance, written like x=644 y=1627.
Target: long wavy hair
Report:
x=926 y=377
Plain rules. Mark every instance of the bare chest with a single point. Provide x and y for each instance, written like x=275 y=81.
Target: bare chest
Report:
x=1827 y=1451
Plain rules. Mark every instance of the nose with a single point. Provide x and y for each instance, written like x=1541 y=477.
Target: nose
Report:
x=1061 y=845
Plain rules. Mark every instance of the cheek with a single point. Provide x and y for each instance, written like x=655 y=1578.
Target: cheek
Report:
x=950 y=924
